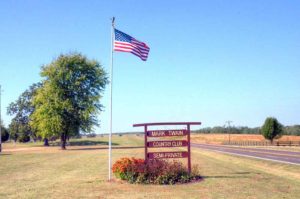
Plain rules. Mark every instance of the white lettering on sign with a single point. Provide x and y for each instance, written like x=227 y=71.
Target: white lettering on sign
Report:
x=159 y=155
x=167 y=143
x=167 y=155
x=177 y=143
x=163 y=133
x=176 y=133
x=158 y=133
x=161 y=144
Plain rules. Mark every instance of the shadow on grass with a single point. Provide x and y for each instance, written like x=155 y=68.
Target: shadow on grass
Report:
x=241 y=173
x=84 y=143
x=4 y=154
x=105 y=148
x=89 y=143
x=245 y=174
x=224 y=176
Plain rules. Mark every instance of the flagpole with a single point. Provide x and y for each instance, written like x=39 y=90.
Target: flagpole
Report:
x=111 y=91
x=0 y=123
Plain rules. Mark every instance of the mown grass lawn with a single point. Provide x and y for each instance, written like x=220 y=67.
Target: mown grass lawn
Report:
x=81 y=172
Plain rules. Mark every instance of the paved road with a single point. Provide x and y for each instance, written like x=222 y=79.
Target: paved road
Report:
x=288 y=157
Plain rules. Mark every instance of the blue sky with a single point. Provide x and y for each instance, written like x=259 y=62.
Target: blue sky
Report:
x=209 y=61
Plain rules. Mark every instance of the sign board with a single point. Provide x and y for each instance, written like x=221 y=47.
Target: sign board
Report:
x=156 y=143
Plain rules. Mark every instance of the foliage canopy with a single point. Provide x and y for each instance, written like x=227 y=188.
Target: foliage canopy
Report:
x=271 y=129
x=22 y=109
x=68 y=101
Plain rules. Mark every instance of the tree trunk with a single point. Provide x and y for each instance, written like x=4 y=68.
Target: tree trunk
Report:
x=63 y=141
x=46 y=142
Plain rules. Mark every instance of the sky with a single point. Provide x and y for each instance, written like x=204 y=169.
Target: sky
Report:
x=210 y=61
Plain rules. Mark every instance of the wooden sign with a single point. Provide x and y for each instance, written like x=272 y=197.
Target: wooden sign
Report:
x=164 y=133
x=167 y=143
x=161 y=155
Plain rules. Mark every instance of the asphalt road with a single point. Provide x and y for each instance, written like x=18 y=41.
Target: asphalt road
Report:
x=287 y=157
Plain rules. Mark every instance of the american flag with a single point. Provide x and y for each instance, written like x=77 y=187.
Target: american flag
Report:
x=126 y=43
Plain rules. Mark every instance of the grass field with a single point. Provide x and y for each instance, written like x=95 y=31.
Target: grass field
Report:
x=32 y=171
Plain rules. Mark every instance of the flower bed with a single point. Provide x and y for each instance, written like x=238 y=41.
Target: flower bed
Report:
x=154 y=171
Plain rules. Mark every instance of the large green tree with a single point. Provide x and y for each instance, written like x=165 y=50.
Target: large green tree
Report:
x=69 y=100
x=22 y=109
x=271 y=129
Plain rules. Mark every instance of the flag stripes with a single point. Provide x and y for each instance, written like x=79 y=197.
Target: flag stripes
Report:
x=126 y=43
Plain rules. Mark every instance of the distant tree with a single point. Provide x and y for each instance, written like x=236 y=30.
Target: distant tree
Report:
x=22 y=109
x=18 y=131
x=292 y=130
x=271 y=129
x=68 y=101
x=14 y=130
x=233 y=130
x=4 y=133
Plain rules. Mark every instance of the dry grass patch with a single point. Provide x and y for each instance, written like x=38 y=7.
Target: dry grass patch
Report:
x=219 y=138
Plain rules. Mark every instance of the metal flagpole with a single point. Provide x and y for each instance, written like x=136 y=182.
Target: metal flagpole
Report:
x=111 y=89
x=0 y=123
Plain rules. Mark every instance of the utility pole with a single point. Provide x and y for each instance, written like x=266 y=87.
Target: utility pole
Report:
x=228 y=126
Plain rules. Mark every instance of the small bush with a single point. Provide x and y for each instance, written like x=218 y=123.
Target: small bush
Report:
x=153 y=171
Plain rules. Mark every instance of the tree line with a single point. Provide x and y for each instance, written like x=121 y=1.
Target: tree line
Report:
x=65 y=103
x=271 y=129
x=287 y=130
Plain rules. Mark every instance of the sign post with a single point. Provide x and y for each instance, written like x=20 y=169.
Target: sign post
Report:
x=168 y=143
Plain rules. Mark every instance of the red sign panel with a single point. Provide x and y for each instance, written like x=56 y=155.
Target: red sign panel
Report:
x=160 y=155
x=163 y=133
x=167 y=143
